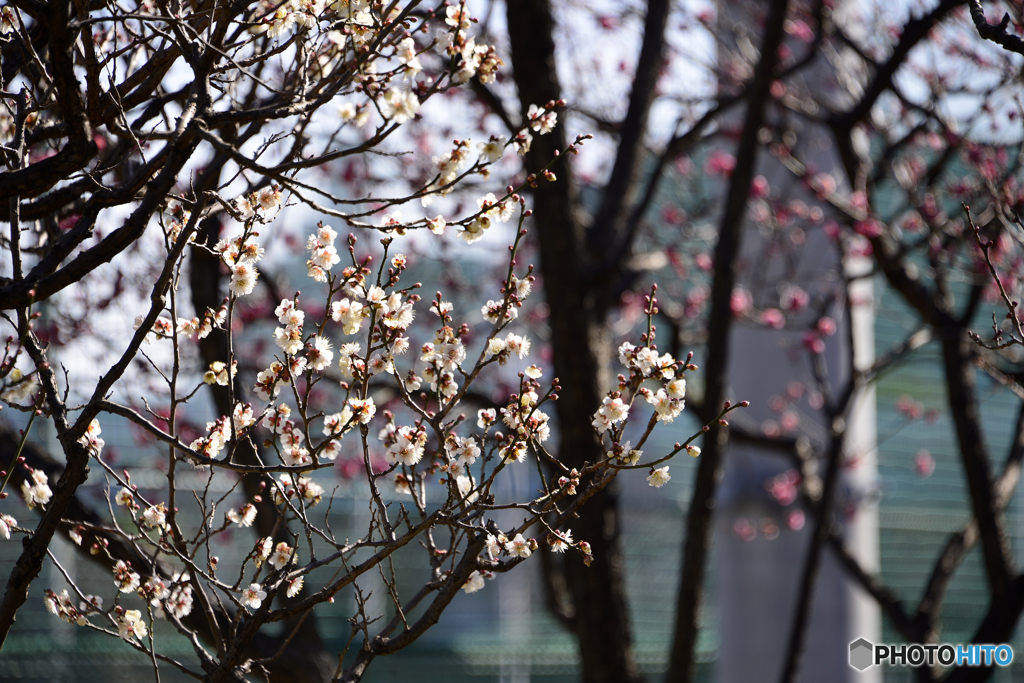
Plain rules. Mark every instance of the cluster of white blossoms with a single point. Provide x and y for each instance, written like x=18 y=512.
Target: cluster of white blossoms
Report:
x=219 y=432
x=218 y=374
x=293 y=453
x=644 y=362
x=60 y=605
x=444 y=357
x=350 y=314
x=131 y=625
x=399 y=105
x=613 y=411
x=294 y=15
x=528 y=422
x=240 y=255
x=542 y=119
x=126 y=580
x=492 y=312
x=491 y=211
x=258 y=205
x=197 y=327
x=448 y=166
x=36 y=488
x=461 y=452
x=263 y=548
x=322 y=254
x=516 y=547
x=175 y=600
x=290 y=487
x=404 y=444
x=472 y=59
x=668 y=400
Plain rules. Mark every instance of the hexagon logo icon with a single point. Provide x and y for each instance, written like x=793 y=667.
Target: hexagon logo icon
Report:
x=861 y=652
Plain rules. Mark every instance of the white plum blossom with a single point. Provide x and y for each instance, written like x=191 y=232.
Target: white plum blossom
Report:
x=243 y=417
x=496 y=347
x=659 y=477
x=7 y=523
x=560 y=541
x=363 y=410
x=253 y=596
x=522 y=142
x=486 y=417
x=91 y=439
x=458 y=16
x=276 y=418
x=323 y=255
x=474 y=583
x=407 y=447
x=516 y=451
x=494 y=545
x=294 y=586
x=474 y=232
x=124 y=497
x=289 y=339
x=519 y=547
x=243 y=205
x=130 y=625
x=320 y=355
x=337 y=424
x=465 y=486
x=492 y=311
x=243 y=516
x=179 y=602
x=402 y=484
x=399 y=105
x=288 y=315
x=676 y=388
x=154 y=516
x=349 y=362
x=281 y=556
x=493 y=149
x=437 y=225
x=347 y=111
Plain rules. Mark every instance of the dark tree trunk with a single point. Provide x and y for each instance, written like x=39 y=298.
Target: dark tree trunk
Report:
x=597 y=613
x=698 y=522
